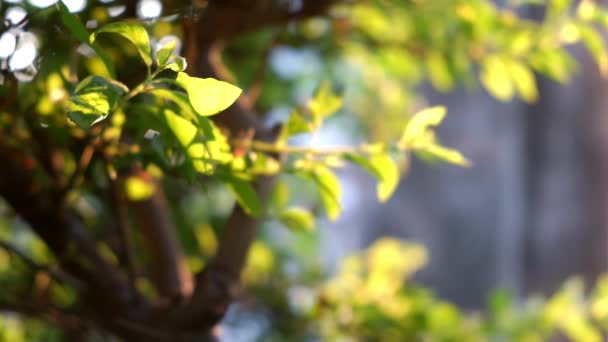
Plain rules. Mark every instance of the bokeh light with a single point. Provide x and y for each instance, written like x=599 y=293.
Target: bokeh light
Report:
x=147 y=9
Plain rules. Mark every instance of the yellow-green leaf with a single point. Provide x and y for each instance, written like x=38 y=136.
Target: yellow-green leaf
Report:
x=420 y=123
x=138 y=189
x=447 y=154
x=439 y=72
x=295 y=125
x=246 y=196
x=297 y=219
x=329 y=191
x=496 y=79
x=182 y=129
x=163 y=54
x=595 y=44
x=135 y=33
x=381 y=166
x=208 y=96
x=389 y=175
x=324 y=103
x=94 y=99
x=524 y=80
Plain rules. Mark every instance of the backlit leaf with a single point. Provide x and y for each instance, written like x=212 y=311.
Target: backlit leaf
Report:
x=246 y=196
x=496 y=79
x=523 y=79
x=163 y=54
x=420 y=123
x=94 y=99
x=135 y=33
x=389 y=175
x=297 y=219
x=325 y=102
x=329 y=191
x=182 y=129
x=208 y=96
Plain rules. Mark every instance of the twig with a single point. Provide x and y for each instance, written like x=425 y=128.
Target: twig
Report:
x=119 y=205
x=56 y=275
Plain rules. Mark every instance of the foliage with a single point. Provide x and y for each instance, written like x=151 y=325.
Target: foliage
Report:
x=372 y=297
x=121 y=96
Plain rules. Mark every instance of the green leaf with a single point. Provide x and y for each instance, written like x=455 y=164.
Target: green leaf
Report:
x=211 y=151
x=420 y=123
x=595 y=44
x=496 y=79
x=280 y=195
x=94 y=99
x=246 y=196
x=329 y=191
x=389 y=175
x=524 y=80
x=297 y=219
x=324 y=103
x=163 y=54
x=555 y=63
x=381 y=166
x=136 y=34
x=446 y=154
x=79 y=31
x=208 y=96
x=182 y=129
x=178 y=98
x=178 y=64
x=138 y=189
x=295 y=125
x=439 y=71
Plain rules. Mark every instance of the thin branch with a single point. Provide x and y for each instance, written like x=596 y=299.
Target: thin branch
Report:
x=119 y=206
x=56 y=275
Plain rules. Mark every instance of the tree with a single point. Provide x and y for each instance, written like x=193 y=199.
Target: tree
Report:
x=117 y=130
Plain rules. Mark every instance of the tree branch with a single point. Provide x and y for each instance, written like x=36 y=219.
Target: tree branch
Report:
x=63 y=233
x=56 y=275
x=172 y=276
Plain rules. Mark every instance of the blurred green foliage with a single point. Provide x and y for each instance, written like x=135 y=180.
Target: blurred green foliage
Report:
x=121 y=79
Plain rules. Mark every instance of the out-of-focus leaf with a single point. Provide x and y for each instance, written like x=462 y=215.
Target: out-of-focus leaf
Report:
x=246 y=195
x=280 y=195
x=178 y=64
x=381 y=166
x=208 y=96
x=555 y=63
x=446 y=154
x=324 y=103
x=524 y=80
x=596 y=46
x=183 y=130
x=389 y=175
x=296 y=124
x=73 y=24
x=135 y=33
x=439 y=71
x=495 y=78
x=94 y=99
x=420 y=123
x=297 y=219
x=138 y=189
x=329 y=191
x=180 y=99
x=163 y=54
